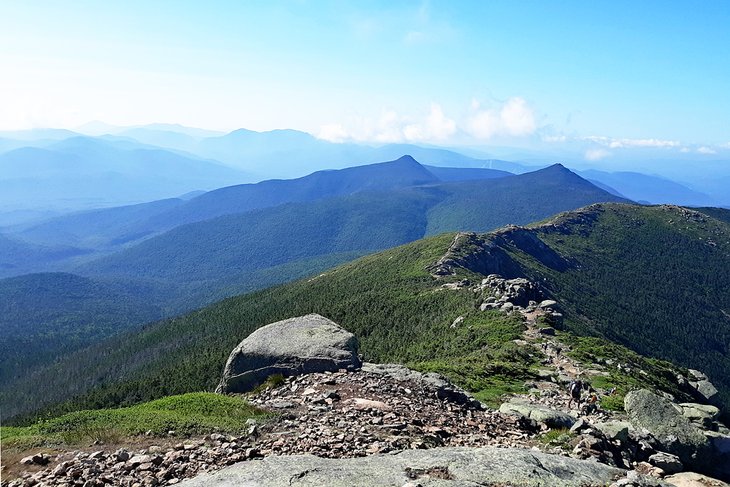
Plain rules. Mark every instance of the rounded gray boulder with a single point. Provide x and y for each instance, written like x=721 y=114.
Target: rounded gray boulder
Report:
x=302 y=345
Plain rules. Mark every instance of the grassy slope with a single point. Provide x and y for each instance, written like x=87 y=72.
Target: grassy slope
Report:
x=651 y=278
x=197 y=264
x=388 y=300
x=187 y=414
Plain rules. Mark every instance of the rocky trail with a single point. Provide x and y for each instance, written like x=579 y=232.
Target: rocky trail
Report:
x=384 y=424
x=378 y=409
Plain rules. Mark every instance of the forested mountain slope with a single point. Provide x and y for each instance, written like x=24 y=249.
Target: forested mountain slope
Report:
x=652 y=278
x=227 y=248
x=610 y=266
x=200 y=263
x=44 y=315
x=113 y=227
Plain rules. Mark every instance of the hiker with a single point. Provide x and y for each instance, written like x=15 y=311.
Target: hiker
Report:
x=575 y=388
x=591 y=404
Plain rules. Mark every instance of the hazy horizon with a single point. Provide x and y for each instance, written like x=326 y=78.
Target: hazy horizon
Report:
x=597 y=80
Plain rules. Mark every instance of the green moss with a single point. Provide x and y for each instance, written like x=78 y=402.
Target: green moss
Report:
x=614 y=402
x=557 y=437
x=480 y=355
x=187 y=414
x=271 y=382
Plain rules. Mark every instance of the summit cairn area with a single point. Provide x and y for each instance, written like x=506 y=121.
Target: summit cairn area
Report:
x=302 y=345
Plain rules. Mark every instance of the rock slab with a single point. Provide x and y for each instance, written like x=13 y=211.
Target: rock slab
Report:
x=691 y=479
x=542 y=414
x=675 y=434
x=302 y=345
x=436 y=467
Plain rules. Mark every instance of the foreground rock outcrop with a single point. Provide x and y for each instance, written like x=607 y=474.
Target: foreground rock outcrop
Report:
x=691 y=479
x=438 y=466
x=296 y=346
x=670 y=427
x=674 y=433
x=386 y=424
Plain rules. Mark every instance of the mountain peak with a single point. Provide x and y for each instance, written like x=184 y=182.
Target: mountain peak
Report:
x=407 y=159
x=558 y=170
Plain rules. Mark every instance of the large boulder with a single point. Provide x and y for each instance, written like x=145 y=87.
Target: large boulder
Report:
x=703 y=415
x=662 y=420
x=703 y=388
x=296 y=346
x=667 y=462
x=542 y=414
x=457 y=466
x=614 y=430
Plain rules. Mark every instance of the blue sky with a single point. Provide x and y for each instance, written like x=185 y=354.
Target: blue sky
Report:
x=644 y=74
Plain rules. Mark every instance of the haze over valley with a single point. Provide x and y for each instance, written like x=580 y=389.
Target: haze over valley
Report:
x=335 y=244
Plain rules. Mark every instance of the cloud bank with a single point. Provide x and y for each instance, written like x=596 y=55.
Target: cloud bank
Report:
x=393 y=127
x=513 y=118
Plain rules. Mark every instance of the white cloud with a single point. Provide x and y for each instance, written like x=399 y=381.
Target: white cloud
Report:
x=614 y=143
x=485 y=124
x=387 y=128
x=518 y=117
x=554 y=138
x=596 y=154
x=515 y=118
x=437 y=126
x=393 y=127
x=333 y=132
x=706 y=150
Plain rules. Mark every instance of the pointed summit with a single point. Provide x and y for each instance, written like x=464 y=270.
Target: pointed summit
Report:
x=407 y=159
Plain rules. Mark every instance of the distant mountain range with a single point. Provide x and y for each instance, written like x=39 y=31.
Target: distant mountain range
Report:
x=83 y=172
x=240 y=229
x=130 y=165
x=267 y=233
x=361 y=222
x=21 y=257
x=648 y=189
x=110 y=229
